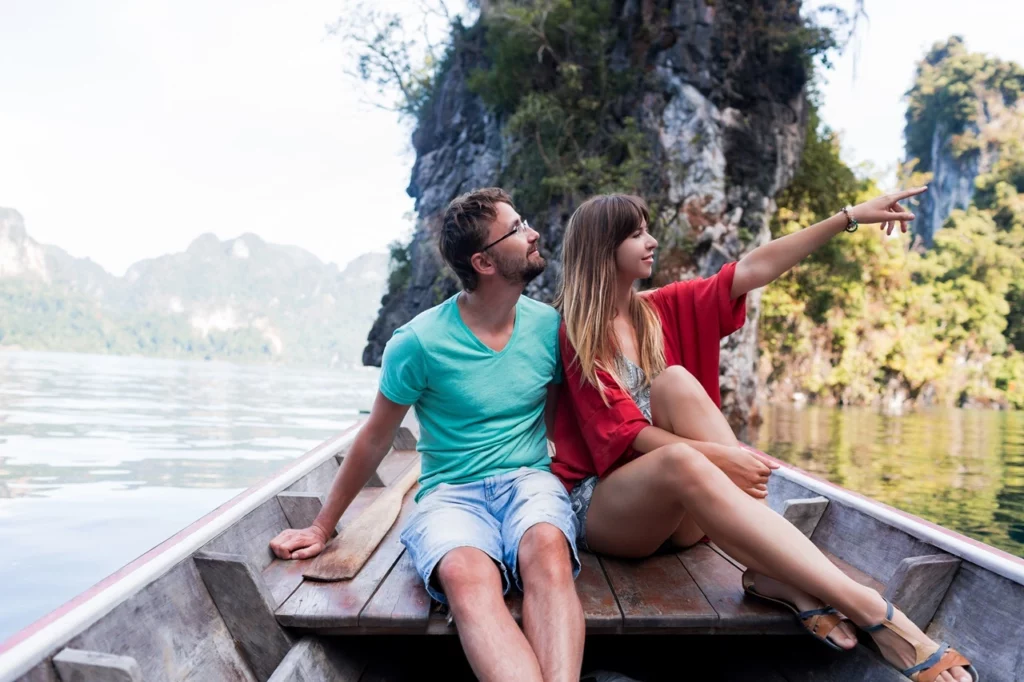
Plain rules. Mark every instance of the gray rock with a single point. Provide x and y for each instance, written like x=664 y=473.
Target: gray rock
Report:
x=725 y=112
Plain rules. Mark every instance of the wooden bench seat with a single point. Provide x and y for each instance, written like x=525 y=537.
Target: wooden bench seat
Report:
x=694 y=591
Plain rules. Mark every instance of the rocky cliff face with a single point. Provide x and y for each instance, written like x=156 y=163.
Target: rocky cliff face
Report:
x=952 y=185
x=724 y=113
x=23 y=257
x=964 y=107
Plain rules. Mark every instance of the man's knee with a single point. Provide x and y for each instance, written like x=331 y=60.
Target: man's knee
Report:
x=468 y=573
x=544 y=556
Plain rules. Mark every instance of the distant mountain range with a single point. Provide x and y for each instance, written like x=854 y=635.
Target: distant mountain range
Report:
x=240 y=299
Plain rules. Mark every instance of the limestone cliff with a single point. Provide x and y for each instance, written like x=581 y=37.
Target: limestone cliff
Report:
x=238 y=299
x=964 y=107
x=722 y=109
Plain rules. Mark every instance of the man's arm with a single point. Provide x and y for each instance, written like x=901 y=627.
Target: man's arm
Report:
x=371 y=444
x=768 y=262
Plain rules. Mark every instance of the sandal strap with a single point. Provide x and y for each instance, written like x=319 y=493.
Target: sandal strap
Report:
x=942 y=660
x=823 y=611
x=928 y=662
x=888 y=618
x=821 y=626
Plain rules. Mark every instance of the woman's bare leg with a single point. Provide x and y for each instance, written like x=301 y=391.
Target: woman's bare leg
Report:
x=632 y=507
x=681 y=405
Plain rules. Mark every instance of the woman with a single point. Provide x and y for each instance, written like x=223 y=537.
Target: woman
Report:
x=645 y=452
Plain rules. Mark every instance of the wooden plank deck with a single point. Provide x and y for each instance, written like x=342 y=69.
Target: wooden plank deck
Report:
x=696 y=591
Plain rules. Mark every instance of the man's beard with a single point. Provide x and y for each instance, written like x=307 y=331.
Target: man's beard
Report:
x=519 y=270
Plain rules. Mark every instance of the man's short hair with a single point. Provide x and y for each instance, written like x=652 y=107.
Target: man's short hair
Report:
x=465 y=229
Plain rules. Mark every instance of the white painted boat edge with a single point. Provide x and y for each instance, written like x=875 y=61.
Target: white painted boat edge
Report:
x=946 y=540
x=22 y=656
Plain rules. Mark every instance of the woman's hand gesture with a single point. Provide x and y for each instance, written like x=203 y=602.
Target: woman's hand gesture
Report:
x=886 y=210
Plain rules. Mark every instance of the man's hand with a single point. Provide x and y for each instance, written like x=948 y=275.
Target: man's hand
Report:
x=745 y=468
x=300 y=543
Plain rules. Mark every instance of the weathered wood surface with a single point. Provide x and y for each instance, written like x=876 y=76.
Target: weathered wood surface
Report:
x=247 y=607
x=866 y=543
x=805 y=513
x=981 y=618
x=405 y=439
x=658 y=593
x=400 y=603
x=782 y=489
x=300 y=509
x=76 y=665
x=333 y=606
x=396 y=463
x=345 y=555
x=318 y=480
x=600 y=608
x=44 y=672
x=172 y=629
x=857 y=574
x=313 y=660
x=251 y=535
x=719 y=581
x=920 y=584
x=697 y=590
x=283 y=577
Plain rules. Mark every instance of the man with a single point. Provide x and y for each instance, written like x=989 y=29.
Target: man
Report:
x=479 y=369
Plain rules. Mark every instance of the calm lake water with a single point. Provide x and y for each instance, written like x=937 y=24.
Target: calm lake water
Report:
x=102 y=458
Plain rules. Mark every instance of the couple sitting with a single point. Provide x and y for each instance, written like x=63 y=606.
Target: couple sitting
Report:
x=643 y=456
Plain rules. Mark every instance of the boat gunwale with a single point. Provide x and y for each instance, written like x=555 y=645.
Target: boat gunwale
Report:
x=985 y=556
x=32 y=644
x=27 y=647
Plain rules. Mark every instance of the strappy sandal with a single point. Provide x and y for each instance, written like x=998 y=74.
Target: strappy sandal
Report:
x=929 y=665
x=819 y=622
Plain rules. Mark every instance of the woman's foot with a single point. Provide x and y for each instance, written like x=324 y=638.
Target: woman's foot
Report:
x=900 y=652
x=844 y=636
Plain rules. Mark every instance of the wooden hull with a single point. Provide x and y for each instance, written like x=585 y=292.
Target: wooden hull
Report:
x=212 y=603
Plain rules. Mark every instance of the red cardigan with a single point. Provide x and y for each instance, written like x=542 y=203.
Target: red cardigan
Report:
x=593 y=439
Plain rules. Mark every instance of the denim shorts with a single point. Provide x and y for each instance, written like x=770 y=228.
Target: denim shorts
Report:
x=580 y=498
x=491 y=515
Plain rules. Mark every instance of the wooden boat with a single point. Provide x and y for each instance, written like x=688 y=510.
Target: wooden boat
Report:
x=212 y=603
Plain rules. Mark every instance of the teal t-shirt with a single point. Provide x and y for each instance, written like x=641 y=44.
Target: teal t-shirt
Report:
x=481 y=412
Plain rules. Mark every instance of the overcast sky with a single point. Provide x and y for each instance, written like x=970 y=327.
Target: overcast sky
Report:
x=128 y=128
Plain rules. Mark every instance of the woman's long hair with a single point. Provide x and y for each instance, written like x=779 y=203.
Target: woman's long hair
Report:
x=586 y=296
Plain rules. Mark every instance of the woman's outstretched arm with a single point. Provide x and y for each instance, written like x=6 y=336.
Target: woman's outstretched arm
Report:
x=767 y=263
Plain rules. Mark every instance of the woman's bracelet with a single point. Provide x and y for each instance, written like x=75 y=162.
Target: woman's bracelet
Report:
x=851 y=222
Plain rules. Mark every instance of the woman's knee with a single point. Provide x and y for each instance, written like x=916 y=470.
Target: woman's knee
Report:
x=677 y=385
x=684 y=469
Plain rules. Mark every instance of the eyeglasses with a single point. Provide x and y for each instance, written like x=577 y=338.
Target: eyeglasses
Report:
x=520 y=226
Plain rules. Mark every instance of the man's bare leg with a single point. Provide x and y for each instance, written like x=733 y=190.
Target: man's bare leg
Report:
x=493 y=643
x=552 y=615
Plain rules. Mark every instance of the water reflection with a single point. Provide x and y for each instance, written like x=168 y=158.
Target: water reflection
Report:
x=962 y=469
x=102 y=458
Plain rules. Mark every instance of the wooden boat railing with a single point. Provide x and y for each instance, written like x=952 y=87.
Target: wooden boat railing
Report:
x=213 y=597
